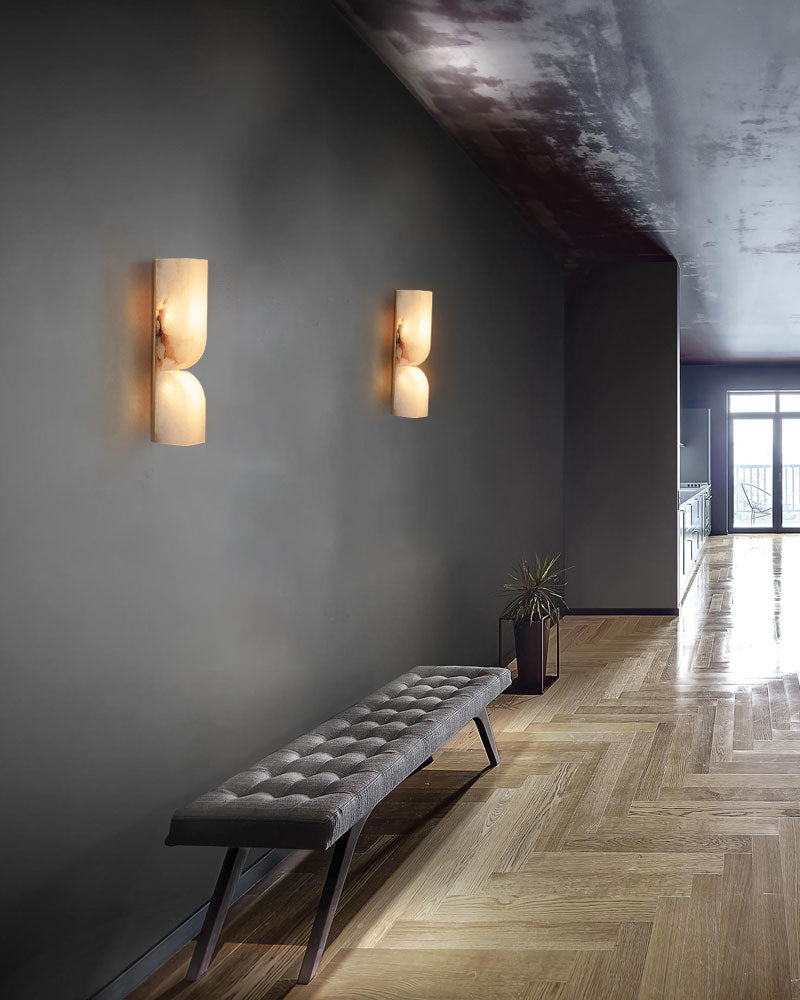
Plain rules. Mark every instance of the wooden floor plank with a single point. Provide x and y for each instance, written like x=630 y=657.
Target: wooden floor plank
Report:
x=591 y=806
x=734 y=977
x=789 y=834
x=630 y=776
x=722 y=737
x=703 y=740
x=436 y=974
x=680 y=751
x=653 y=774
x=662 y=968
x=771 y=948
x=778 y=706
x=699 y=962
x=743 y=721
x=762 y=722
x=590 y=977
x=628 y=961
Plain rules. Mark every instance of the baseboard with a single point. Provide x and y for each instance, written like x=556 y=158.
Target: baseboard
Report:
x=624 y=611
x=152 y=960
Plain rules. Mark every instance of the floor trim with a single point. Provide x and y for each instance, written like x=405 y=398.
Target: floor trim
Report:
x=624 y=611
x=152 y=960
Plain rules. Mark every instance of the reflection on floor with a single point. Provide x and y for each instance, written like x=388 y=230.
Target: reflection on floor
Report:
x=640 y=839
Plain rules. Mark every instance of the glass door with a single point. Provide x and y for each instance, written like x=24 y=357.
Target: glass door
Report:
x=764 y=461
x=790 y=472
x=752 y=440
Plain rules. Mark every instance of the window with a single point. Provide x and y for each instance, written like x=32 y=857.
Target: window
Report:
x=790 y=402
x=753 y=402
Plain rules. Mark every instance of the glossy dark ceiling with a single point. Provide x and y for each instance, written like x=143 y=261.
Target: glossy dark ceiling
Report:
x=631 y=128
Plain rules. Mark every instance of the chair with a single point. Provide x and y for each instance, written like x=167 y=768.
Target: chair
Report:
x=758 y=500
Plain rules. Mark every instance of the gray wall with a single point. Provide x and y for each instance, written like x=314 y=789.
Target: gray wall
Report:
x=621 y=447
x=169 y=615
x=707 y=386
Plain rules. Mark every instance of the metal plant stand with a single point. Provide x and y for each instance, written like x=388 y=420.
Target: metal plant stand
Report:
x=546 y=679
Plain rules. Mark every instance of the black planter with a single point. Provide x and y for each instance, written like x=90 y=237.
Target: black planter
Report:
x=532 y=642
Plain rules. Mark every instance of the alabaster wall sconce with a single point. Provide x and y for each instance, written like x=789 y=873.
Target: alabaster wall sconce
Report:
x=412 y=344
x=180 y=310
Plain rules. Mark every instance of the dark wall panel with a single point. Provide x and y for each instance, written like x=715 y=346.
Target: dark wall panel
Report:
x=168 y=615
x=708 y=386
x=621 y=437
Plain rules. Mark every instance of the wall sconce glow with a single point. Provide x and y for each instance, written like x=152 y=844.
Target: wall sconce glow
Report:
x=412 y=344
x=180 y=308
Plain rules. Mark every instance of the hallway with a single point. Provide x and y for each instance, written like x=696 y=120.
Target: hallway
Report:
x=641 y=838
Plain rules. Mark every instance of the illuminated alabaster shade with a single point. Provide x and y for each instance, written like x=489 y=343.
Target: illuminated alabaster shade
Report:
x=181 y=305
x=410 y=393
x=412 y=343
x=179 y=339
x=180 y=409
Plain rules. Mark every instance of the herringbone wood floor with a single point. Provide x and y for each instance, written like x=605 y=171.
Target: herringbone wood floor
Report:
x=640 y=839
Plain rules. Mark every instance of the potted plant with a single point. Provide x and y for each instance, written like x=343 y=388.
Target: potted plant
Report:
x=539 y=602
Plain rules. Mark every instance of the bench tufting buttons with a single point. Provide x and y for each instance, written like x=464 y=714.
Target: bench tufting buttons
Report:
x=324 y=761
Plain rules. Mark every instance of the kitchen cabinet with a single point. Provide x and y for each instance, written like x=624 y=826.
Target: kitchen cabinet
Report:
x=694 y=526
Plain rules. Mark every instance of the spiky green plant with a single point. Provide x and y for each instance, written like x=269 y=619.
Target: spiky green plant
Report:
x=539 y=589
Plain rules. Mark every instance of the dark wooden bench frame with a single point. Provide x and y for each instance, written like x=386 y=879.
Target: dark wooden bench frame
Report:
x=332 y=890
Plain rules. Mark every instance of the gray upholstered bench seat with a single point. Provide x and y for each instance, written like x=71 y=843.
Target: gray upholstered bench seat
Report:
x=319 y=786
x=318 y=790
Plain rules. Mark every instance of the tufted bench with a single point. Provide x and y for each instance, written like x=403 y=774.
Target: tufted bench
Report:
x=319 y=790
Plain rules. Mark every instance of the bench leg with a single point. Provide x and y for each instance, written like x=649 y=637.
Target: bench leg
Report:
x=334 y=883
x=217 y=911
x=485 y=730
